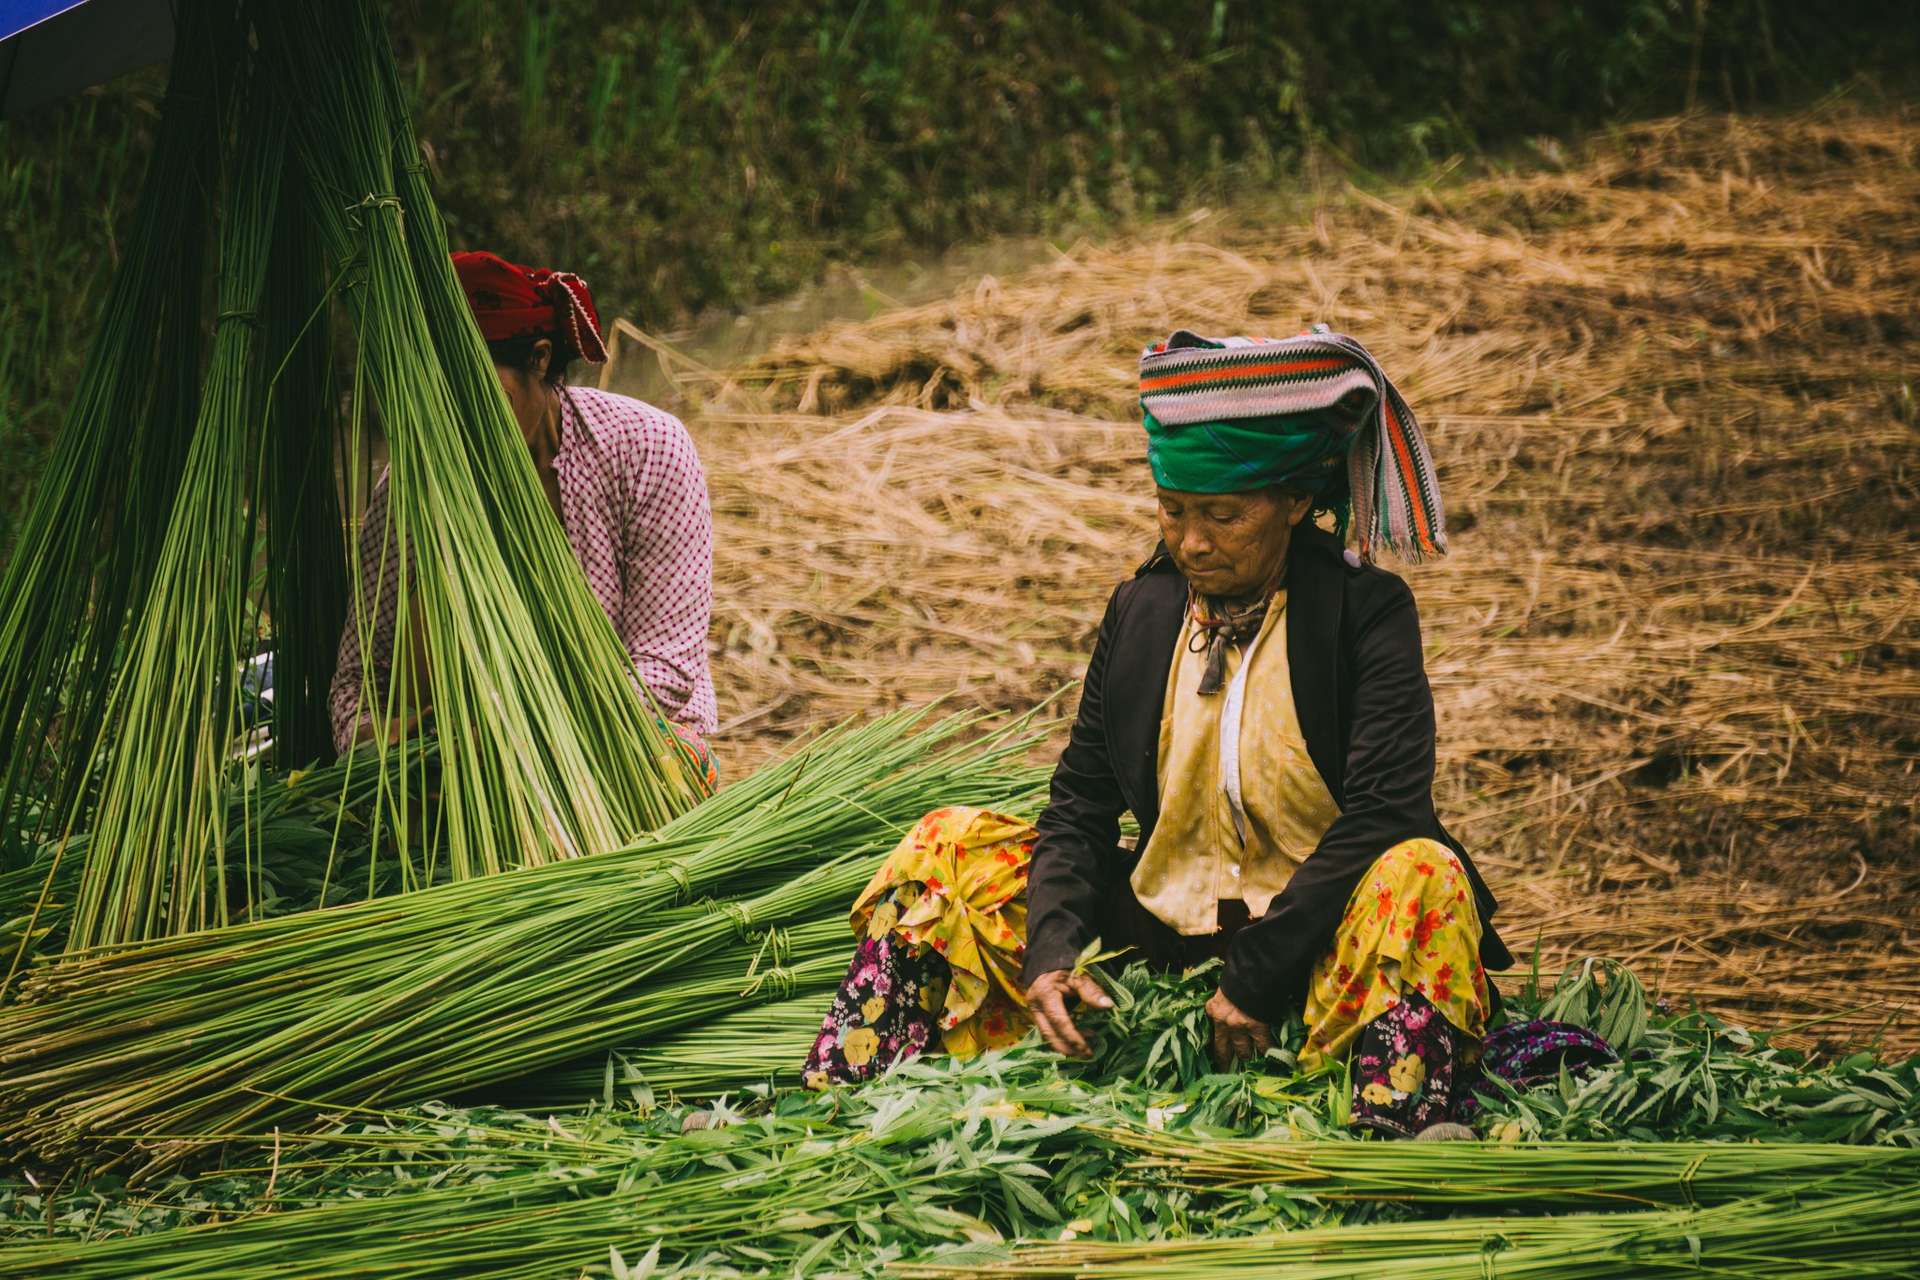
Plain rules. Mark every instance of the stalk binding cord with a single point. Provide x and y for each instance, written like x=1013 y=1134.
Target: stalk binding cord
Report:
x=682 y=880
x=779 y=983
x=738 y=915
x=776 y=944
x=776 y=947
x=372 y=201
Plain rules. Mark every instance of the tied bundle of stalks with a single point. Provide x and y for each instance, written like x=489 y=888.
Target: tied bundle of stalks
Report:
x=1864 y=1234
x=441 y=991
x=1488 y=1174
x=754 y=1046
x=176 y=707
x=91 y=538
x=548 y=747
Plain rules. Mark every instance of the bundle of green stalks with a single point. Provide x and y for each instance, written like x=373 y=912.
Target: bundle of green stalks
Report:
x=175 y=710
x=760 y=1045
x=1493 y=1173
x=473 y=982
x=91 y=538
x=1861 y=1235
x=548 y=746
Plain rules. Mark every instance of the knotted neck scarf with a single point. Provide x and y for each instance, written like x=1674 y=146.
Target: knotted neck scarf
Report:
x=1219 y=625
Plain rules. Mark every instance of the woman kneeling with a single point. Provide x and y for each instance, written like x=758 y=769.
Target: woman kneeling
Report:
x=1256 y=698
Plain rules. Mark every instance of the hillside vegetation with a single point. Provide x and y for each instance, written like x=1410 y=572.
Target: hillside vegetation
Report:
x=682 y=156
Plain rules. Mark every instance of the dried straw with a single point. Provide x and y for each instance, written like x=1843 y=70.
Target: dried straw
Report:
x=1673 y=651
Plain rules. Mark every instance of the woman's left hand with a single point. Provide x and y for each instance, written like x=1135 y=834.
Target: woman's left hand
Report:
x=1237 y=1035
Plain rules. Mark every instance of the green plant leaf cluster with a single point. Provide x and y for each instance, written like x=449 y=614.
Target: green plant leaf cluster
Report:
x=937 y=1163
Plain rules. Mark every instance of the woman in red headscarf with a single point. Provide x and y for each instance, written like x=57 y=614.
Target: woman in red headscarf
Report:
x=622 y=476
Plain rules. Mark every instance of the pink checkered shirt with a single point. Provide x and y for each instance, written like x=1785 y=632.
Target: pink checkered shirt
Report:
x=634 y=502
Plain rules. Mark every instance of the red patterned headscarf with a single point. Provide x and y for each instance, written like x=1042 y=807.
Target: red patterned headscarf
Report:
x=512 y=301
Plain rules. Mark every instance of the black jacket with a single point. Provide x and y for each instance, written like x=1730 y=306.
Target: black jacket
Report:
x=1360 y=689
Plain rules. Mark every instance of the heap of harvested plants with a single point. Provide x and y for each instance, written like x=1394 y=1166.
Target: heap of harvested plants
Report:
x=132 y=600
x=473 y=982
x=229 y=998
x=1143 y=1155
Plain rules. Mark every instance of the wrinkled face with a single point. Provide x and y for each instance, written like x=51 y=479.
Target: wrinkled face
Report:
x=1230 y=544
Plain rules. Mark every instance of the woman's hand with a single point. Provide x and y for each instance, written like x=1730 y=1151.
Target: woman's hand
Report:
x=1236 y=1034
x=1047 y=1001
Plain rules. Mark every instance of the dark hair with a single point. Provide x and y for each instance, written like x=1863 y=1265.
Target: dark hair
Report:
x=517 y=353
x=1333 y=500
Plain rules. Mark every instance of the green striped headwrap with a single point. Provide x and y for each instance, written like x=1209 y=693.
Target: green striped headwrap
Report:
x=1307 y=452
x=1312 y=413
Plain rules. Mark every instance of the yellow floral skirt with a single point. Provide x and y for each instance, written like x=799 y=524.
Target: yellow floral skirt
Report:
x=958 y=884
x=1411 y=925
x=955 y=889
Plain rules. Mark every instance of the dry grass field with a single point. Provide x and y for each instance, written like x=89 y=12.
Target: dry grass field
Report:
x=1669 y=384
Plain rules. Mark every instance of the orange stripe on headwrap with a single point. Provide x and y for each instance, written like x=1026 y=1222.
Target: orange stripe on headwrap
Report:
x=1281 y=369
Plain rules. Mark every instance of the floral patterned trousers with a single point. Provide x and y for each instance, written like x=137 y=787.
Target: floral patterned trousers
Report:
x=1401 y=993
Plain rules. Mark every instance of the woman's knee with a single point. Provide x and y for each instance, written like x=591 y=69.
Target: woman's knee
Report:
x=1418 y=857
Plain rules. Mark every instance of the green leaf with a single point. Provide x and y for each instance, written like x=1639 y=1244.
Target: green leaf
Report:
x=1030 y=1199
x=805 y=1264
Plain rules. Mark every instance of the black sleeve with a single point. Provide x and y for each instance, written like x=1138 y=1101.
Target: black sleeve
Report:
x=1073 y=857
x=1389 y=798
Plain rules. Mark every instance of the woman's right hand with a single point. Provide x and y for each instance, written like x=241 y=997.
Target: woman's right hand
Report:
x=1047 y=1001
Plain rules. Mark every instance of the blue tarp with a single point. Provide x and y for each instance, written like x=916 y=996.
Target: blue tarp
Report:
x=17 y=15
x=52 y=49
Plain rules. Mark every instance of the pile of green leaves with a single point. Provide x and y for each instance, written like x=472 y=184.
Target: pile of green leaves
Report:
x=946 y=1164
x=1691 y=1075
x=1696 y=1077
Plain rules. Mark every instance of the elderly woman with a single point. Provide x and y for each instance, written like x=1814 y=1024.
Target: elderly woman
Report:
x=1256 y=700
x=623 y=479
